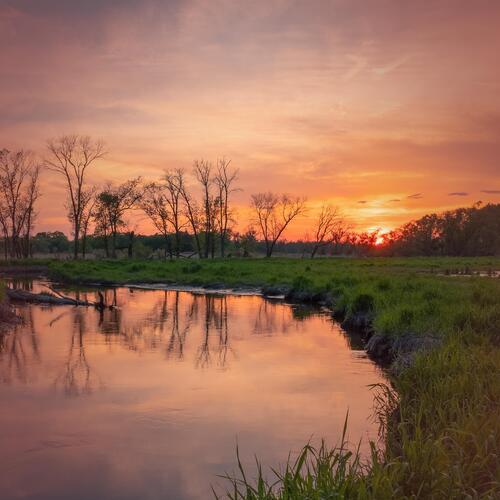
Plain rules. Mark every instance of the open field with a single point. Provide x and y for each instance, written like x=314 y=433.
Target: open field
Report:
x=441 y=422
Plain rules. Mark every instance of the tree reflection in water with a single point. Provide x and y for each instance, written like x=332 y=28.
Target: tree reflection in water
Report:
x=19 y=350
x=169 y=322
x=77 y=377
x=186 y=326
x=175 y=345
x=270 y=318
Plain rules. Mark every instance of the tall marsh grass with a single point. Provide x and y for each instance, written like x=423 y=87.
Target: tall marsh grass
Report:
x=442 y=437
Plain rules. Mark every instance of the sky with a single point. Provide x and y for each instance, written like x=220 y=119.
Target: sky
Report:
x=387 y=109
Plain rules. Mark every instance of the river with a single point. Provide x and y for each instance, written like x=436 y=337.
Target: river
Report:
x=149 y=400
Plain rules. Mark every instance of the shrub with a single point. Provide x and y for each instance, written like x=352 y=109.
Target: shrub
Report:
x=363 y=303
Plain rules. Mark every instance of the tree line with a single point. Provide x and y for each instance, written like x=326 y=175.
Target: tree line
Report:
x=199 y=218
x=462 y=232
x=173 y=206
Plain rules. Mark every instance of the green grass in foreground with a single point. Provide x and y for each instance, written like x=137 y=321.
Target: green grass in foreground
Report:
x=441 y=422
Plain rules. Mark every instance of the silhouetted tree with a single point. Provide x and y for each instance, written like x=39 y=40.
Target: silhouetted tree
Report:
x=273 y=215
x=71 y=156
x=173 y=183
x=192 y=211
x=203 y=173
x=224 y=180
x=324 y=230
x=463 y=231
x=19 y=191
x=155 y=206
x=112 y=204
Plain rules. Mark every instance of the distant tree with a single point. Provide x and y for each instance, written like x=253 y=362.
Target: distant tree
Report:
x=325 y=226
x=173 y=182
x=273 y=214
x=71 y=156
x=102 y=229
x=155 y=206
x=112 y=204
x=51 y=242
x=192 y=212
x=89 y=201
x=340 y=235
x=464 y=231
x=248 y=241
x=19 y=191
x=224 y=180
x=203 y=173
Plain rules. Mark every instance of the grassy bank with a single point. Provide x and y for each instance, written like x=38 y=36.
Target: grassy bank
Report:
x=441 y=423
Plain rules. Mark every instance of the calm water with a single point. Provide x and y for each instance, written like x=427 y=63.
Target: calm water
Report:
x=149 y=400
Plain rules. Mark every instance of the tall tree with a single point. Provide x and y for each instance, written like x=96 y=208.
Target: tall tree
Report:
x=89 y=203
x=71 y=156
x=324 y=230
x=203 y=173
x=155 y=206
x=19 y=191
x=224 y=180
x=274 y=213
x=173 y=183
x=192 y=212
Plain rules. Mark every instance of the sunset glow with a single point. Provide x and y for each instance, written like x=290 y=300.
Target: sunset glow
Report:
x=389 y=110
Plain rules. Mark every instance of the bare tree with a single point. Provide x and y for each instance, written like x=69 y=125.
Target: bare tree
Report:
x=71 y=156
x=32 y=195
x=174 y=181
x=203 y=173
x=101 y=223
x=274 y=213
x=191 y=210
x=340 y=234
x=89 y=201
x=326 y=223
x=19 y=190
x=5 y=229
x=112 y=203
x=154 y=204
x=224 y=180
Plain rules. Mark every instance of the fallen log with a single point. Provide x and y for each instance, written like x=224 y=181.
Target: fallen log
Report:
x=49 y=298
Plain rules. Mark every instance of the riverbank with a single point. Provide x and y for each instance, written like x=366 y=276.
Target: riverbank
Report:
x=442 y=331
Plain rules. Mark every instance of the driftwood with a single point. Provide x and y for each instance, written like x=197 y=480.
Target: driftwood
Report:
x=54 y=298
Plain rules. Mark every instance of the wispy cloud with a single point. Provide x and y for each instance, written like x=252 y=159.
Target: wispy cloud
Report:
x=458 y=193
x=394 y=200
x=416 y=196
x=490 y=191
x=362 y=202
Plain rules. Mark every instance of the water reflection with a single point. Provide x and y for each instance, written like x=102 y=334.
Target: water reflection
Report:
x=19 y=351
x=77 y=376
x=148 y=398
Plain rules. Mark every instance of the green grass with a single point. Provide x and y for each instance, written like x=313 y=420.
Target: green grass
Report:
x=442 y=431
x=259 y=271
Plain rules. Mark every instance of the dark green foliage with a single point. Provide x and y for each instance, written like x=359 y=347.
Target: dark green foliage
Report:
x=191 y=268
x=464 y=231
x=302 y=283
x=363 y=303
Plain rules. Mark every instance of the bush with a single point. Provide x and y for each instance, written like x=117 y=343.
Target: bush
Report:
x=191 y=268
x=363 y=303
x=301 y=283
